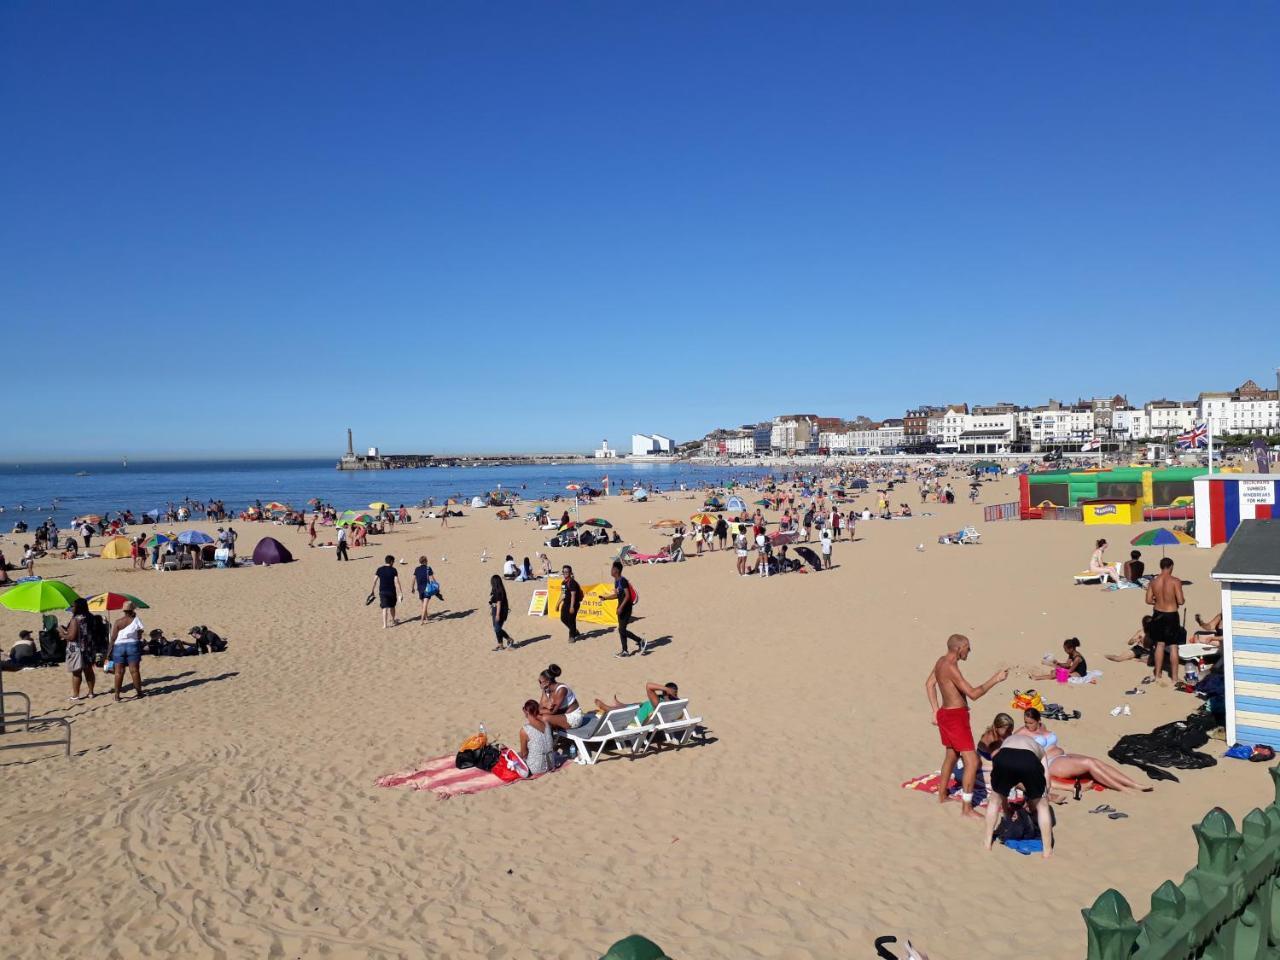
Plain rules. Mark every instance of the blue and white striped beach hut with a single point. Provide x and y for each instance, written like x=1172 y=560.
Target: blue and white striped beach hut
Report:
x=1249 y=572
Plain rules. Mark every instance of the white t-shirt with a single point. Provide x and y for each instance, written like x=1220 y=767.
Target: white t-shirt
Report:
x=826 y=541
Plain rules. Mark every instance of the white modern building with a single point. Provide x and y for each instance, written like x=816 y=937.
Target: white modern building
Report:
x=605 y=452
x=651 y=445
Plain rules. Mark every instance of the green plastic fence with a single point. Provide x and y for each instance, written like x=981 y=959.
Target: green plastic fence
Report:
x=1227 y=907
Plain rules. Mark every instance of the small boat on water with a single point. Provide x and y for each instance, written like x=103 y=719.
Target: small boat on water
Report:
x=82 y=473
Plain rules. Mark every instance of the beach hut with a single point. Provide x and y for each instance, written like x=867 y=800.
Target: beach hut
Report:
x=270 y=550
x=1249 y=574
x=1225 y=500
x=117 y=548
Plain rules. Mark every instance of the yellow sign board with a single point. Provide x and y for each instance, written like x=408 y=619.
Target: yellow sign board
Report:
x=593 y=609
x=538 y=604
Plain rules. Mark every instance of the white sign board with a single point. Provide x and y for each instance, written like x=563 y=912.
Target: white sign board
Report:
x=1257 y=492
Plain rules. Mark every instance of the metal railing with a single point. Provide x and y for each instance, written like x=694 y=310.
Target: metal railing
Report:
x=32 y=724
x=1226 y=907
x=1063 y=513
x=1002 y=511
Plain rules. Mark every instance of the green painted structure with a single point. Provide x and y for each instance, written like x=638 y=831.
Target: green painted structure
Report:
x=1147 y=486
x=1227 y=907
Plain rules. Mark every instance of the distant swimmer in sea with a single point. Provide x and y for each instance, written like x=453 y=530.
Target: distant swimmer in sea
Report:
x=952 y=717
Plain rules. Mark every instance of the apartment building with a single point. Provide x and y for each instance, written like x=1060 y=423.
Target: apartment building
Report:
x=1246 y=409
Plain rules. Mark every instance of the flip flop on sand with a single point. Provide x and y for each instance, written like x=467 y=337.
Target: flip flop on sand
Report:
x=1103 y=808
x=1117 y=815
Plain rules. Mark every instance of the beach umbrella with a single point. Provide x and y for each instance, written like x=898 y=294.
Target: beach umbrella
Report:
x=275 y=505
x=114 y=601
x=703 y=519
x=117 y=548
x=566 y=526
x=1163 y=538
x=90 y=517
x=380 y=505
x=194 y=537
x=158 y=539
x=782 y=536
x=597 y=522
x=574 y=487
x=761 y=503
x=39 y=596
x=667 y=524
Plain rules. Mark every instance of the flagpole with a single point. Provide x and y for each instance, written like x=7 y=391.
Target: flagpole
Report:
x=1209 y=429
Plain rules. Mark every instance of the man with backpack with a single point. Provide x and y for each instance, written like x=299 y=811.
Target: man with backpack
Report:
x=626 y=596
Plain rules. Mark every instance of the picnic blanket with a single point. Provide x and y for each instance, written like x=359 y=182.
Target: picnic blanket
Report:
x=444 y=779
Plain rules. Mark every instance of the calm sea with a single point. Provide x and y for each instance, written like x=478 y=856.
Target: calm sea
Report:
x=35 y=491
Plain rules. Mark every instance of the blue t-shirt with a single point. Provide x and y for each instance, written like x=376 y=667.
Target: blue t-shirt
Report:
x=422 y=576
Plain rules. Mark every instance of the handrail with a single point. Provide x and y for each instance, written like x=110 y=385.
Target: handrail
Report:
x=6 y=714
x=41 y=722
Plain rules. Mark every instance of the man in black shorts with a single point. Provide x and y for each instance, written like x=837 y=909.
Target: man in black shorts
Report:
x=386 y=584
x=1164 y=593
x=1019 y=761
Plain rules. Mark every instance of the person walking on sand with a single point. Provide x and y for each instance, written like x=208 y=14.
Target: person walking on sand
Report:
x=952 y=717
x=342 y=544
x=569 y=602
x=124 y=649
x=499 y=608
x=826 y=548
x=424 y=580
x=625 y=596
x=1164 y=593
x=386 y=584
x=311 y=542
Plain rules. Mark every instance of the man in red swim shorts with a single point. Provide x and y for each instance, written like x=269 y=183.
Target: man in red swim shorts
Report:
x=952 y=717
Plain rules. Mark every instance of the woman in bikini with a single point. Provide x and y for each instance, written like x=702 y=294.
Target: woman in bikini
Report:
x=558 y=704
x=1070 y=766
x=1104 y=571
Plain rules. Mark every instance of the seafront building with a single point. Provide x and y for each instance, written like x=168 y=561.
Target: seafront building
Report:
x=1097 y=423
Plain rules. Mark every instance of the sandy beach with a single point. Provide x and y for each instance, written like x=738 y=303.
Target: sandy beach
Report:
x=233 y=813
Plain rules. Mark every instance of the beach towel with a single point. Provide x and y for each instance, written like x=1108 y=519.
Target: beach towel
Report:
x=1025 y=847
x=444 y=779
x=928 y=783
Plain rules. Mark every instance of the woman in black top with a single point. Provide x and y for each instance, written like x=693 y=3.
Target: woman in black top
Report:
x=498 y=609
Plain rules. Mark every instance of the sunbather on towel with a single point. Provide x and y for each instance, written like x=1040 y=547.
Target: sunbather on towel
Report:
x=655 y=693
x=1104 y=571
x=1210 y=630
x=536 y=746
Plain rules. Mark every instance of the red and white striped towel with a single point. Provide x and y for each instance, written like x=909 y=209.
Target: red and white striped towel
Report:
x=444 y=779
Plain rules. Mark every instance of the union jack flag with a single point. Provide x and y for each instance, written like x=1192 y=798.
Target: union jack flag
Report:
x=1197 y=436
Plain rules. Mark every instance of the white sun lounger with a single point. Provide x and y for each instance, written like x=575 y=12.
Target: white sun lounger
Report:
x=612 y=730
x=671 y=724
x=970 y=535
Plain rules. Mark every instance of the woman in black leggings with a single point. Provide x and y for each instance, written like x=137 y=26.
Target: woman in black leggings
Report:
x=499 y=608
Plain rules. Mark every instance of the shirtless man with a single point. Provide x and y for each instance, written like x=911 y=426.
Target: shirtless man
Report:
x=1165 y=594
x=952 y=717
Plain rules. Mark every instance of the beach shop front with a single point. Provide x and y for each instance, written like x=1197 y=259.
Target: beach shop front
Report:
x=1249 y=573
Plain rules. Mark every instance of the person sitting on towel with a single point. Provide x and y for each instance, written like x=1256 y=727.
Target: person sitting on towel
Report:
x=1074 y=662
x=509 y=569
x=1134 y=568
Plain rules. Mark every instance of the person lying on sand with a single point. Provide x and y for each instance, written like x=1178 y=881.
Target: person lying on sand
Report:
x=1139 y=644
x=1068 y=766
x=1210 y=631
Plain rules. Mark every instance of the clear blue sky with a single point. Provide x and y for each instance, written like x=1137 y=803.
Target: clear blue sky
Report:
x=532 y=225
